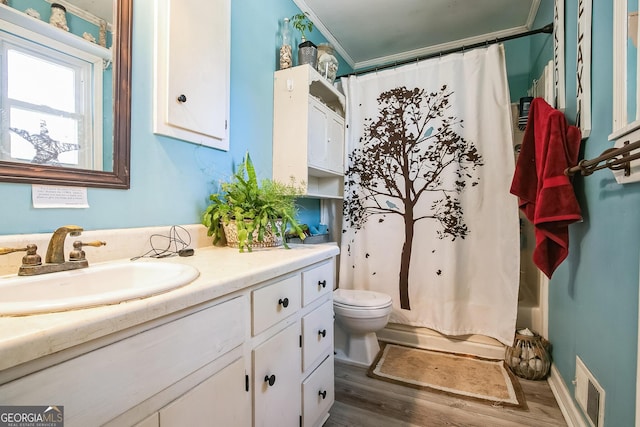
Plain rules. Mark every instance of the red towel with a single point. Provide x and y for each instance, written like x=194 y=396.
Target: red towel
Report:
x=545 y=193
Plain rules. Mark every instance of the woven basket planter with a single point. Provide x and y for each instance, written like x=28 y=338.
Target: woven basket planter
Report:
x=270 y=237
x=529 y=357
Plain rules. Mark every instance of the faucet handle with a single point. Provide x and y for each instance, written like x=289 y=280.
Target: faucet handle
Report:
x=4 y=251
x=31 y=258
x=77 y=254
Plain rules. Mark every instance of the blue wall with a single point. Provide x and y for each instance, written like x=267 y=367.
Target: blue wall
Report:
x=593 y=296
x=171 y=179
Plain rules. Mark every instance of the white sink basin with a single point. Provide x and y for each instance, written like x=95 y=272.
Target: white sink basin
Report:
x=102 y=284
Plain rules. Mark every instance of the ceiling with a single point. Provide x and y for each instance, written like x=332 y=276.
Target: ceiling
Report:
x=367 y=33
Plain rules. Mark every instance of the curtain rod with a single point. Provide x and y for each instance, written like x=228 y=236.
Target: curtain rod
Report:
x=613 y=158
x=548 y=29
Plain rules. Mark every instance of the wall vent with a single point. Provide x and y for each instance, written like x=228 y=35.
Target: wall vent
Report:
x=589 y=394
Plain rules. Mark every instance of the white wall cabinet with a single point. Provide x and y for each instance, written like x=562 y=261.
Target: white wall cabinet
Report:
x=191 y=76
x=260 y=356
x=308 y=132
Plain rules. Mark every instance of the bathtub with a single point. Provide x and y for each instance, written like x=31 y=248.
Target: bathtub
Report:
x=531 y=314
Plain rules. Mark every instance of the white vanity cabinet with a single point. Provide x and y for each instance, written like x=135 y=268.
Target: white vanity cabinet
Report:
x=111 y=385
x=191 y=80
x=308 y=132
x=259 y=355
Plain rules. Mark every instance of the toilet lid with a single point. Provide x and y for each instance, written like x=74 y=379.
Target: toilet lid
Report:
x=359 y=298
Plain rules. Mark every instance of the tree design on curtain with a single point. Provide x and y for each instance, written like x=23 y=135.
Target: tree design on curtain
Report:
x=404 y=155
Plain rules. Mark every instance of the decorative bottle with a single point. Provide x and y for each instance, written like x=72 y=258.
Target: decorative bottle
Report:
x=327 y=62
x=286 y=51
x=58 y=16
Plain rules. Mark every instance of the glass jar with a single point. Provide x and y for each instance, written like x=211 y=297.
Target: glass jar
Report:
x=327 y=62
x=286 y=50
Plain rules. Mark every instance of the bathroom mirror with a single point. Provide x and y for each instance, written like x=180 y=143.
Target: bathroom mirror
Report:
x=112 y=171
x=626 y=115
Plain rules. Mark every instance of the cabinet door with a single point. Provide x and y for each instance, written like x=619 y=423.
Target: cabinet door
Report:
x=325 y=138
x=317 y=135
x=220 y=400
x=276 y=380
x=335 y=143
x=192 y=71
x=152 y=420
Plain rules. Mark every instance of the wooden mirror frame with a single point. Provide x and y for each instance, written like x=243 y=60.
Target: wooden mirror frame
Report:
x=120 y=176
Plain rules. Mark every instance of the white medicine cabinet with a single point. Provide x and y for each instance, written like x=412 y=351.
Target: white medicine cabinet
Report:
x=308 y=132
x=191 y=76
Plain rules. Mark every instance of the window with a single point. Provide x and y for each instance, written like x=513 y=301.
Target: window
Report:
x=50 y=103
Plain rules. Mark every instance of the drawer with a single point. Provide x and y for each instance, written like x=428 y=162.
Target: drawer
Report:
x=317 y=281
x=317 y=331
x=275 y=302
x=318 y=393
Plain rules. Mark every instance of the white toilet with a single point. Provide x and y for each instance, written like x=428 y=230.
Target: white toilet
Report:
x=359 y=315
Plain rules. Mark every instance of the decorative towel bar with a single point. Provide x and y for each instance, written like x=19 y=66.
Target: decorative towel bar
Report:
x=613 y=158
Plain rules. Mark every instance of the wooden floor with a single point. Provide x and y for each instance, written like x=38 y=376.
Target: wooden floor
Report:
x=368 y=402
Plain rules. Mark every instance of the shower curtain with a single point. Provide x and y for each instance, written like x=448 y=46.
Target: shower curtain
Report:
x=428 y=217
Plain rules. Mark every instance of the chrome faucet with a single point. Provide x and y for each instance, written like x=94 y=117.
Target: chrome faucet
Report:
x=54 y=260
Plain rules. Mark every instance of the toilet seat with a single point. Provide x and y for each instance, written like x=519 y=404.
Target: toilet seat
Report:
x=354 y=299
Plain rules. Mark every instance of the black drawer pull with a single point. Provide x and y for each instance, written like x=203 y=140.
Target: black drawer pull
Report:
x=284 y=302
x=322 y=283
x=323 y=394
x=182 y=98
x=271 y=380
x=323 y=333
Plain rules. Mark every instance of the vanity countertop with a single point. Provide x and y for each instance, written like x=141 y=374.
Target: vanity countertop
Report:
x=222 y=272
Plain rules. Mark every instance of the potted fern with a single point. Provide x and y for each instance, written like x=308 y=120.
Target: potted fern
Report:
x=248 y=213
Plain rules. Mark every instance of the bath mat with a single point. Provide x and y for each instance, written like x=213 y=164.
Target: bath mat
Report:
x=465 y=376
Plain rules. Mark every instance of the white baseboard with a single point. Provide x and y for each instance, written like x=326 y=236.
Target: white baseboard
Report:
x=570 y=411
x=477 y=345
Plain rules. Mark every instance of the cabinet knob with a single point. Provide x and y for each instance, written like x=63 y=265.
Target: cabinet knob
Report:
x=182 y=98
x=322 y=283
x=323 y=333
x=271 y=380
x=323 y=394
x=284 y=302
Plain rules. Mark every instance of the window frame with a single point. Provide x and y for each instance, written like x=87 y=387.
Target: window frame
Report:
x=89 y=80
